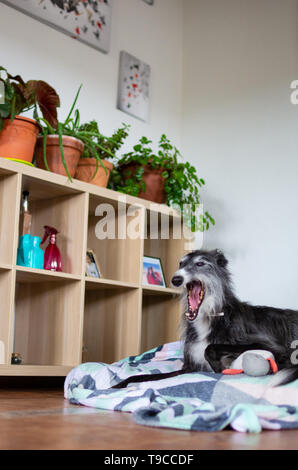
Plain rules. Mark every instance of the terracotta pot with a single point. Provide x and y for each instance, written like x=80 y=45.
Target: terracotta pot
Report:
x=87 y=167
x=18 y=138
x=72 y=149
x=155 y=183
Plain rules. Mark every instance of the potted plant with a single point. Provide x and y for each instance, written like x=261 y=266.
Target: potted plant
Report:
x=162 y=178
x=59 y=148
x=88 y=167
x=18 y=134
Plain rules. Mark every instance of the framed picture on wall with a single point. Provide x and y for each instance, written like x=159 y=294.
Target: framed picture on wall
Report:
x=92 y=267
x=152 y=272
x=88 y=21
x=133 y=86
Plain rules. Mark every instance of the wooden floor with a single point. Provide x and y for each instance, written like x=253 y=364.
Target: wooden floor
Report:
x=42 y=419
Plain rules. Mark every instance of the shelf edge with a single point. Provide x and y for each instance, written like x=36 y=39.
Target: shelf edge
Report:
x=34 y=370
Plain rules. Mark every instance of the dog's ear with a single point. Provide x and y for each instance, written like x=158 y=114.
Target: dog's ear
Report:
x=221 y=259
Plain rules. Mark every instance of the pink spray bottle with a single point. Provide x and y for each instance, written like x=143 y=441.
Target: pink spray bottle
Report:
x=52 y=255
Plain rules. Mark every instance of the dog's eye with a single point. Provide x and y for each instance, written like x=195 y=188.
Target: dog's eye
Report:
x=200 y=264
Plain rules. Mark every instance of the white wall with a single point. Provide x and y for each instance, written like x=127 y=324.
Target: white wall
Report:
x=233 y=115
x=240 y=57
x=152 y=34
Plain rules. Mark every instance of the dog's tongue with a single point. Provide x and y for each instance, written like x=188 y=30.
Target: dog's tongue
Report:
x=194 y=296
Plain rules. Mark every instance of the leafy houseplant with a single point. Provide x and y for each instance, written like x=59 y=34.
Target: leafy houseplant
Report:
x=176 y=181
x=17 y=133
x=59 y=148
x=88 y=168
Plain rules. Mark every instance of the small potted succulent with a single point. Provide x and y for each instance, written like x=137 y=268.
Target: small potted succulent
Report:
x=88 y=169
x=162 y=178
x=18 y=133
x=59 y=148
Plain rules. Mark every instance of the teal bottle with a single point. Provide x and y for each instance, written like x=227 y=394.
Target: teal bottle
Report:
x=29 y=252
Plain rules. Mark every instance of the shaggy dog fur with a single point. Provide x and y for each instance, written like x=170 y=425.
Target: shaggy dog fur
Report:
x=218 y=327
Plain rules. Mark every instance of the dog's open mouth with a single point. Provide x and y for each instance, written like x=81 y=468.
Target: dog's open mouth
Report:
x=195 y=296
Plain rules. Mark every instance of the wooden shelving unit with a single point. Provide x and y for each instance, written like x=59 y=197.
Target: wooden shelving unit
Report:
x=58 y=320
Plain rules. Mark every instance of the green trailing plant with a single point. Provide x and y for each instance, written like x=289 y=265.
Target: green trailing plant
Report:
x=181 y=181
x=104 y=146
x=20 y=96
x=89 y=135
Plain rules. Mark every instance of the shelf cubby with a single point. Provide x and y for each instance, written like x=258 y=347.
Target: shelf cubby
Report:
x=64 y=209
x=47 y=319
x=111 y=324
x=119 y=257
x=160 y=319
x=160 y=242
x=6 y=289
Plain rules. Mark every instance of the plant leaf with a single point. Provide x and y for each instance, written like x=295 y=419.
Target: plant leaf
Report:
x=16 y=78
x=4 y=110
x=40 y=93
x=47 y=99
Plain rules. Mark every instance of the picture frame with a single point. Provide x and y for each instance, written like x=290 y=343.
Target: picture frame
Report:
x=134 y=78
x=87 y=21
x=92 y=267
x=153 y=274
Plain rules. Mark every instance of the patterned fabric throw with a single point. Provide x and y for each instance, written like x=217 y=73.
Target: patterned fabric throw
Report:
x=200 y=401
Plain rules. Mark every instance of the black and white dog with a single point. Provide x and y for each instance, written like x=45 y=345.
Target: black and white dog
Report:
x=217 y=327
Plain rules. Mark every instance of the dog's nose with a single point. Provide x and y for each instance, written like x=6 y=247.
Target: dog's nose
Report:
x=177 y=281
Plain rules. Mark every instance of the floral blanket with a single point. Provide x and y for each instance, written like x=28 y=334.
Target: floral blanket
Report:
x=201 y=401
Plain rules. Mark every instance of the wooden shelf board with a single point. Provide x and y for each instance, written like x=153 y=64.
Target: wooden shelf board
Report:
x=39 y=189
x=5 y=267
x=5 y=172
x=156 y=290
x=64 y=186
x=34 y=370
x=41 y=275
x=93 y=283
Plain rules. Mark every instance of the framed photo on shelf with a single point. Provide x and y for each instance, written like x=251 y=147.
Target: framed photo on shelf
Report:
x=152 y=272
x=92 y=267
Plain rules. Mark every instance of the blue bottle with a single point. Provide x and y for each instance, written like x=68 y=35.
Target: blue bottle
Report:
x=29 y=252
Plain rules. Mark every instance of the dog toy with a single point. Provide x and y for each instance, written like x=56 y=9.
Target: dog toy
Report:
x=255 y=363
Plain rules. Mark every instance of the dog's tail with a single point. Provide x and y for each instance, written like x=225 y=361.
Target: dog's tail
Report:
x=284 y=377
x=149 y=378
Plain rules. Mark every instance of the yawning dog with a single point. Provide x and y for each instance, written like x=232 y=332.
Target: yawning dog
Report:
x=218 y=327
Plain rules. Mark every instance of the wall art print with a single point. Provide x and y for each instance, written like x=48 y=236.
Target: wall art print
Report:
x=88 y=21
x=133 y=86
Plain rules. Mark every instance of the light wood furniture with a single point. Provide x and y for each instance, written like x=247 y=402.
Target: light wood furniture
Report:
x=57 y=320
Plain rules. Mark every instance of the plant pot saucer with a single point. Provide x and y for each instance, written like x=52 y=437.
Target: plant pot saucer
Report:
x=19 y=161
